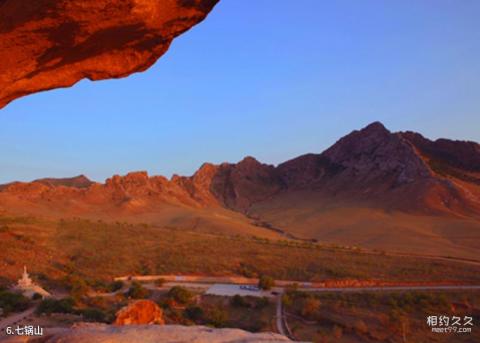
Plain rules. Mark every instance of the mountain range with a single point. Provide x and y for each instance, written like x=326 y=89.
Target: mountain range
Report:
x=373 y=188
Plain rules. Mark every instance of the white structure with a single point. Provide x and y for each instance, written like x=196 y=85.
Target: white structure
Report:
x=28 y=288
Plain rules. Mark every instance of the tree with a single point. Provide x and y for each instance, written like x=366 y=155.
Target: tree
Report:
x=310 y=306
x=77 y=286
x=180 y=294
x=115 y=286
x=217 y=317
x=261 y=303
x=94 y=315
x=287 y=300
x=48 y=306
x=266 y=282
x=194 y=313
x=12 y=302
x=137 y=291
x=37 y=296
x=239 y=301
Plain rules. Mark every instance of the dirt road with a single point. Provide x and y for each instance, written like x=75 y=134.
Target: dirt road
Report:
x=14 y=319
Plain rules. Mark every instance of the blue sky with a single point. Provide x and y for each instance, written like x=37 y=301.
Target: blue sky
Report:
x=269 y=78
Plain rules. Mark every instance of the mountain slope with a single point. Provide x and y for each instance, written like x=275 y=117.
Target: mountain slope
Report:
x=373 y=188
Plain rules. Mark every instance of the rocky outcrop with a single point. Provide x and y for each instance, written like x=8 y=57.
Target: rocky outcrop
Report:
x=458 y=159
x=95 y=333
x=139 y=313
x=372 y=167
x=239 y=185
x=80 y=181
x=46 y=44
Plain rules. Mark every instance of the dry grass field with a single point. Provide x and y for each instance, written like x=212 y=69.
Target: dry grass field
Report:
x=97 y=250
x=379 y=317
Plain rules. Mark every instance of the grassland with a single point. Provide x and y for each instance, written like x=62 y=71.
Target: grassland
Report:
x=96 y=250
x=374 y=317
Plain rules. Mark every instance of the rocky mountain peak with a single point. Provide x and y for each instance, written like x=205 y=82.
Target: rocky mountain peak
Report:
x=375 y=152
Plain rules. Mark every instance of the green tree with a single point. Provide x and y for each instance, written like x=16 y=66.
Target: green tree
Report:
x=287 y=300
x=13 y=302
x=194 y=313
x=180 y=294
x=266 y=282
x=137 y=291
x=217 y=317
x=239 y=301
x=48 y=306
x=115 y=286
x=94 y=315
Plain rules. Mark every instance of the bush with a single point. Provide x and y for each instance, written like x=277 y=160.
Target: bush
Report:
x=37 y=296
x=310 y=306
x=194 y=313
x=239 y=301
x=13 y=302
x=360 y=327
x=287 y=300
x=180 y=294
x=48 y=306
x=77 y=286
x=115 y=286
x=266 y=282
x=137 y=291
x=257 y=326
x=261 y=303
x=217 y=317
x=94 y=315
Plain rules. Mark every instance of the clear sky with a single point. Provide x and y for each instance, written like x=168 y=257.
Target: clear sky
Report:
x=269 y=78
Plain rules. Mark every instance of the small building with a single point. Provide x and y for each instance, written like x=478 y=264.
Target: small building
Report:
x=28 y=288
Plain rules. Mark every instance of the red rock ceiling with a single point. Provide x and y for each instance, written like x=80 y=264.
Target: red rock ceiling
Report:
x=47 y=44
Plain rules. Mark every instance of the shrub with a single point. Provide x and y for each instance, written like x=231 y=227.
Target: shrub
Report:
x=12 y=302
x=48 y=306
x=115 y=286
x=287 y=300
x=180 y=294
x=239 y=301
x=137 y=291
x=194 y=313
x=217 y=317
x=261 y=303
x=266 y=282
x=37 y=296
x=256 y=326
x=310 y=306
x=94 y=315
x=77 y=286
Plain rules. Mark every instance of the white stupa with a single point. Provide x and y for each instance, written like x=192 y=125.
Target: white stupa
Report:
x=28 y=288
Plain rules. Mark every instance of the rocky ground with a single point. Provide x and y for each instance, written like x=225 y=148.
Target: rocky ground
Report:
x=96 y=333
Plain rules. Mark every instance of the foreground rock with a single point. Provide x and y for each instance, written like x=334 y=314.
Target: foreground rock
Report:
x=140 y=312
x=46 y=44
x=152 y=334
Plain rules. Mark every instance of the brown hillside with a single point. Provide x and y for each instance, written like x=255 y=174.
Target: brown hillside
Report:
x=373 y=188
